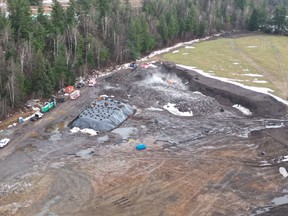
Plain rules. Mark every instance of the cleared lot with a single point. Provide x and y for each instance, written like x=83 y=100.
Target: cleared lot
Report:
x=217 y=162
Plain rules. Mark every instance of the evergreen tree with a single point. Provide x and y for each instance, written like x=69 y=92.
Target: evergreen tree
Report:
x=163 y=30
x=279 y=18
x=57 y=18
x=253 y=21
x=20 y=17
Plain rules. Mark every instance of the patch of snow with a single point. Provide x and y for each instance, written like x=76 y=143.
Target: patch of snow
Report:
x=244 y=110
x=275 y=126
x=252 y=47
x=176 y=51
x=252 y=88
x=172 y=109
x=260 y=81
x=85 y=131
x=89 y=131
x=189 y=47
x=252 y=75
x=283 y=172
x=245 y=70
x=154 y=109
x=185 y=53
x=265 y=163
x=75 y=130
x=197 y=92
x=236 y=63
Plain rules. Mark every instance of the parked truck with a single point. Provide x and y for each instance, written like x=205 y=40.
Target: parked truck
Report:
x=47 y=106
x=75 y=94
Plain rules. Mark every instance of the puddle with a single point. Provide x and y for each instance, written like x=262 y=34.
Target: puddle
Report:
x=103 y=139
x=277 y=201
x=46 y=210
x=6 y=132
x=28 y=148
x=55 y=137
x=261 y=211
x=57 y=128
x=280 y=200
x=125 y=133
x=86 y=153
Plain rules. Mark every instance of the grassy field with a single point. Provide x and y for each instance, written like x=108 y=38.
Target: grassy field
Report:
x=253 y=60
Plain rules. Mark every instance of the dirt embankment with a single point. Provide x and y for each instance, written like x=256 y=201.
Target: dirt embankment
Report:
x=260 y=104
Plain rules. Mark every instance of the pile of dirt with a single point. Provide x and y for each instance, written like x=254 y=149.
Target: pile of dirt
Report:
x=159 y=89
x=260 y=104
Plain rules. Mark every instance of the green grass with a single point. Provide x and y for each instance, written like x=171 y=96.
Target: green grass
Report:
x=266 y=55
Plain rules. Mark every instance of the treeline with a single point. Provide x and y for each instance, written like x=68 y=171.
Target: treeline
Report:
x=43 y=53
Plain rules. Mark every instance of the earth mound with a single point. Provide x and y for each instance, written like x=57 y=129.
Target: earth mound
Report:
x=104 y=114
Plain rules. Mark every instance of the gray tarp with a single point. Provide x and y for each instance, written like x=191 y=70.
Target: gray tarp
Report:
x=103 y=115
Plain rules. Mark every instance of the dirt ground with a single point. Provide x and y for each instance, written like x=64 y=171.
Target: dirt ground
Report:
x=218 y=162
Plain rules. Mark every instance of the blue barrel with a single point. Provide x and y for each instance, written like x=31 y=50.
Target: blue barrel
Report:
x=141 y=147
x=20 y=120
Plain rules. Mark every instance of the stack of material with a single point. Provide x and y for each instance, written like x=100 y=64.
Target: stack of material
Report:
x=104 y=114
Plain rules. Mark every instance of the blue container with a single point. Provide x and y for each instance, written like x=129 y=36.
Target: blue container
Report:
x=141 y=147
x=20 y=120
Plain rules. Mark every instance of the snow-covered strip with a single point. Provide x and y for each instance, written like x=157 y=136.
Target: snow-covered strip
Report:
x=252 y=88
x=252 y=75
x=252 y=47
x=275 y=126
x=283 y=172
x=236 y=63
x=175 y=51
x=85 y=130
x=172 y=109
x=154 y=109
x=158 y=52
x=260 y=81
x=242 y=109
x=185 y=53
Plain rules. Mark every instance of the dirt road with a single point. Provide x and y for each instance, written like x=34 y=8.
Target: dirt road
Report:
x=219 y=162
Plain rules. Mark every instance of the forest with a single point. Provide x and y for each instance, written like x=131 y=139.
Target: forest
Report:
x=45 y=52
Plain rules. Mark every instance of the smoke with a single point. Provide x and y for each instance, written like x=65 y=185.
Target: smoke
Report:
x=164 y=80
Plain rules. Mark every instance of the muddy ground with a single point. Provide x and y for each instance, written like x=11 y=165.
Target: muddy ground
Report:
x=217 y=162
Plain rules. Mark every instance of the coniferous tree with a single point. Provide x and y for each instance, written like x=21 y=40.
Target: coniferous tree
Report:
x=253 y=21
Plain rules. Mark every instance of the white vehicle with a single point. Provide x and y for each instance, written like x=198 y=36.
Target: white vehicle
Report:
x=37 y=116
x=4 y=142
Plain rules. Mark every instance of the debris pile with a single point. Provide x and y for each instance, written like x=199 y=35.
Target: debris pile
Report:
x=156 y=90
x=103 y=114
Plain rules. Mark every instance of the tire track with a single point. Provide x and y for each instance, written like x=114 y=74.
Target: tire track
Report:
x=281 y=62
x=260 y=69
